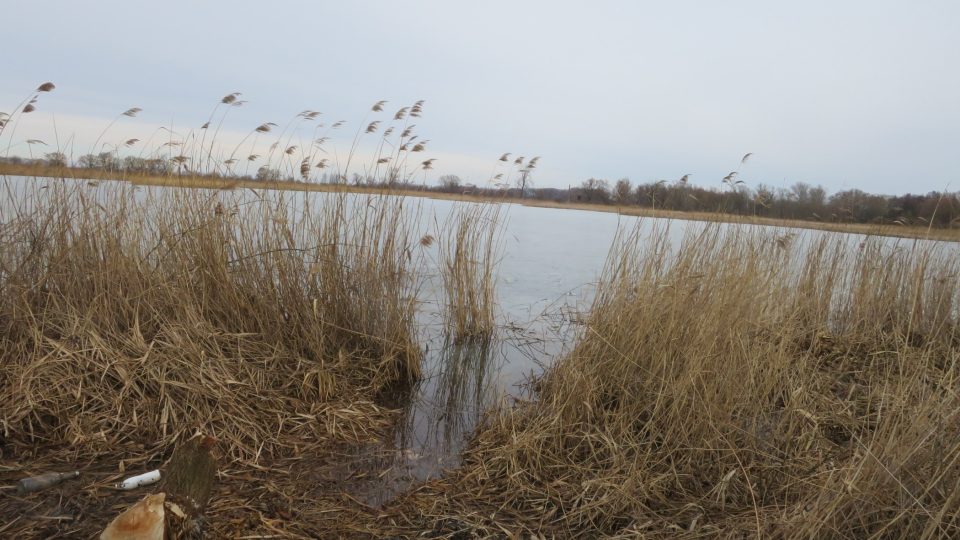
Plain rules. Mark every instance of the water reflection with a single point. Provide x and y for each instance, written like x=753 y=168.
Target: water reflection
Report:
x=438 y=414
x=463 y=388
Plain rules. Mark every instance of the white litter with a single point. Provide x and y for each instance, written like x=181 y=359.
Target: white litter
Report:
x=144 y=479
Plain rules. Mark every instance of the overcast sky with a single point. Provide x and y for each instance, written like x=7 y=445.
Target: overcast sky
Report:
x=848 y=94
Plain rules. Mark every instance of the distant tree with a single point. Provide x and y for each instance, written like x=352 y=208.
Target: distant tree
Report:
x=523 y=181
x=818 y=197
x=622 y=191
x=596 y=190
x=103 y=160
x=858 y=206
x=393 y=176
x=135 y=164
x=88 y=161
x=450 y=182
x=56 y=159
x=267 y=174
x=158 y=166
x=764 y=199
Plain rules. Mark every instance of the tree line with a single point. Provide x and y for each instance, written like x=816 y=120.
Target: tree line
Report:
x=801 y=201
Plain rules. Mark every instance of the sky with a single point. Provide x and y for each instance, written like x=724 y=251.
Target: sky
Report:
x=847 y=94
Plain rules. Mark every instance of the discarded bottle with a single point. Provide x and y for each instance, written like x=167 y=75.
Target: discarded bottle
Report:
x=43 y=481
x=144 y=479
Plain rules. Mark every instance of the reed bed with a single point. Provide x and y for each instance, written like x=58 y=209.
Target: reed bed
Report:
x=130 y=319
x=468 y=250
x=742 y=384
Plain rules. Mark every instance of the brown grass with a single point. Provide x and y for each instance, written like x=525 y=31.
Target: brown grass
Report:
x=739 y=386
x=744 y=383
x=128 y=320
x=468 y=251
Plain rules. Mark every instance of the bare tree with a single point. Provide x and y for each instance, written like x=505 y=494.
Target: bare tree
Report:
x=622 y=191
x=450 y=182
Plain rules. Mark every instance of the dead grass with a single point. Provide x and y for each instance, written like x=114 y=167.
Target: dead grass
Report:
x=468 y=252
x=130 y=319
x=741 y=385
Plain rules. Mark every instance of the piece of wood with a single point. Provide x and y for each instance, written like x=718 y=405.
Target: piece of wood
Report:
x=175 y=512
x=190 y=474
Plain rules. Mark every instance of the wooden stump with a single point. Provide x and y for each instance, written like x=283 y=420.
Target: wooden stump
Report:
x=176 y=512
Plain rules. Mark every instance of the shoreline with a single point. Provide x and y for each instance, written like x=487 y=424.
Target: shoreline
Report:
x=202 y=182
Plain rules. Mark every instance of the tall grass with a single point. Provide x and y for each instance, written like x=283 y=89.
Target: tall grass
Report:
x=741 y=384
x=468 y=249
x=131 y=318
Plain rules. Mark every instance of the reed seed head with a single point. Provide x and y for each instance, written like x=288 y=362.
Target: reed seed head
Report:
x=417 y=109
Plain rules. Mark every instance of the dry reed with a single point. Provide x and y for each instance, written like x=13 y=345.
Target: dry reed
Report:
x=734 y=386
x=130 y=319
x=468 y=250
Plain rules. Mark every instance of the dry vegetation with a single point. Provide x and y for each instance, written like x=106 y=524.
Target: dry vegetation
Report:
x=468 y=252
x=738 y=386
x=129 y=320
